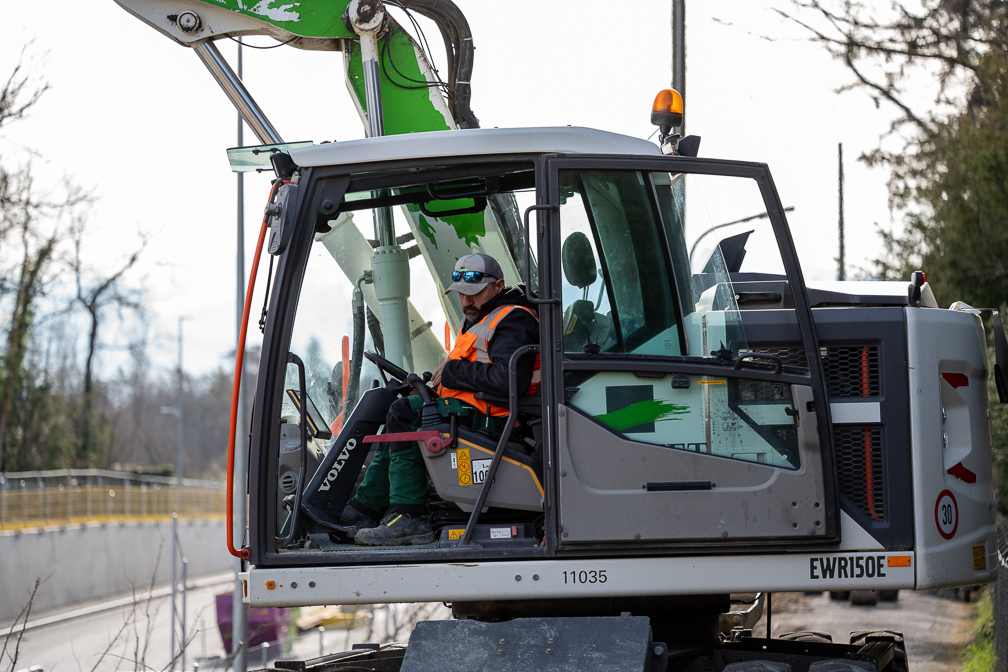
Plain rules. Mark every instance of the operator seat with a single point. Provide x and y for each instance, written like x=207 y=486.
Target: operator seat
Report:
x=456 y=470
x=580 y=269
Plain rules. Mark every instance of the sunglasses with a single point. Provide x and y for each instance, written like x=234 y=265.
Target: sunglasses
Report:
x=470 y=276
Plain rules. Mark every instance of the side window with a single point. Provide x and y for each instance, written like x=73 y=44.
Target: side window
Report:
x=703 y=272
x=729 y=417
x=627 y=273
x=617 y=286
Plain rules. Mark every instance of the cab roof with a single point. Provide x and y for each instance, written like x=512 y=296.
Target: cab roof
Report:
x=469 y=142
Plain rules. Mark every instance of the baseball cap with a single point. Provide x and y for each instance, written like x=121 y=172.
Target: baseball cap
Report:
x=482 y=263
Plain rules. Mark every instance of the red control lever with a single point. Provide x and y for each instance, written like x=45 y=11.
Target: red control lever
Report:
x=432 y=439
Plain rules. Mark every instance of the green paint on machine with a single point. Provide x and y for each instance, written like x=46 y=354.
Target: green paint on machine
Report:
x=406 y=106
x=469 y=228
x=425 y=228
x=307 y=18
x=641 y=413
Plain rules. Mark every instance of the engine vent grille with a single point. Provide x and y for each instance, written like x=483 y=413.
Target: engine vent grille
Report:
x=851 y=371
x=859 y=467
x=789 y=356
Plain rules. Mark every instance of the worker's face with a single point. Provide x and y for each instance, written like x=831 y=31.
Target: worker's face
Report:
x=471 y=305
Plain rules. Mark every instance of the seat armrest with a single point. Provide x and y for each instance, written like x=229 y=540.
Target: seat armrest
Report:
x=528 y=404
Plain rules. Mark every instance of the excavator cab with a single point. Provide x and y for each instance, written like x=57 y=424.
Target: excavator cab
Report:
x=699 y=431
x=657 y=428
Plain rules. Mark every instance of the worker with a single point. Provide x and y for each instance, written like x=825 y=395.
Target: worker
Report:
x=390 y=508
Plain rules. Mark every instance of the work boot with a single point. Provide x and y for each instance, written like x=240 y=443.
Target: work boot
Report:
x=351 y=521
x=398 y=529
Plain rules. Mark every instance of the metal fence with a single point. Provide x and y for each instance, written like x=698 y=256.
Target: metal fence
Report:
x=39 y=498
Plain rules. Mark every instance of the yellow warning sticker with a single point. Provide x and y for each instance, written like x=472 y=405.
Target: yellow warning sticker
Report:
x=711 y=382
x=979 y=558
x=454 y=534
x=464 y=466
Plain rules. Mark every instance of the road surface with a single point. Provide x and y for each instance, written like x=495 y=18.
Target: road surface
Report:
x=935 y=626
x=128 y=637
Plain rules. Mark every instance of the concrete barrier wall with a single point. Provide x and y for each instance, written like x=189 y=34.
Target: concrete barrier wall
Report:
x=96 y=561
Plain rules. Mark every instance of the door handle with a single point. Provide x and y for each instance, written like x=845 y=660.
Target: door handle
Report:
x=528 y=256
x=773 y=359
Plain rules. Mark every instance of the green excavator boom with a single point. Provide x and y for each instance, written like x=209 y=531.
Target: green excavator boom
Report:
x=384 y=67
x=411 y=89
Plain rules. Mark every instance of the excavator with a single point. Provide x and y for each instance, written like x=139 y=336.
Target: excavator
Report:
x=709 y=429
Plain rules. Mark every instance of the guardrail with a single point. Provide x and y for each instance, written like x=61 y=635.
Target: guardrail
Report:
x=69 y=496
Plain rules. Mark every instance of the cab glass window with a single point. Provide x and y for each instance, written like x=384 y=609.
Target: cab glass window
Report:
x=641 y=248
x=737 y=418
x=436 y=220
x=618 y=292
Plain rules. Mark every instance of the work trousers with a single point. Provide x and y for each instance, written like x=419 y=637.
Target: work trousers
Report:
x=396 y=480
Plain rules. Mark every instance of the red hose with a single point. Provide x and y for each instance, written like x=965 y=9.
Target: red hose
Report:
x=337 y=424
x=239 y=365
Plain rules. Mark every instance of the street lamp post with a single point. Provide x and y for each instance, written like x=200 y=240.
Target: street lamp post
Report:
x=178 y=411
x=180 y=404
x=679 y=54
x=239 y=612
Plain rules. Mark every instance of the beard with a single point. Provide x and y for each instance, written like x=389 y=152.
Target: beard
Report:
x=472 y=314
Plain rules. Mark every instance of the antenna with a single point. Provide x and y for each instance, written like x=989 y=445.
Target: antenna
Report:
x=841 y=274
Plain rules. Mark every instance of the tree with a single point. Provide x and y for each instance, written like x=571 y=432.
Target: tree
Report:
x=949 y=168
x=949 y=159
x=97 y=294
x=25 y=291
x=29 y=228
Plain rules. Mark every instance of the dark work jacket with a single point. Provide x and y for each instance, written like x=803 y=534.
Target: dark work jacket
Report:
x=517 y=329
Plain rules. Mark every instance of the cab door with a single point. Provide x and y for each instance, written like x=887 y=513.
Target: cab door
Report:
x=669 y=428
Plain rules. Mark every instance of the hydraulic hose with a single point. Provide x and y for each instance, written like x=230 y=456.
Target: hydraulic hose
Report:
x=235 y=390
x=374 y=326
x=459 y=46
x=357 y=359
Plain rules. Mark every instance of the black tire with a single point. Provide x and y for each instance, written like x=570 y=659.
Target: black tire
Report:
x=839 y=595
x=810 y=636
x=837 y=665
x=758 y=666
x=888 y=595
x=900 y=662
x=864 y=597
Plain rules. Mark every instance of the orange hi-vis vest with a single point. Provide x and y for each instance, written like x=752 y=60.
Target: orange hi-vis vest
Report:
x=474 y=346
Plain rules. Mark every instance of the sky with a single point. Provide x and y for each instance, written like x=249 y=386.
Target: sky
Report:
x=136 y=119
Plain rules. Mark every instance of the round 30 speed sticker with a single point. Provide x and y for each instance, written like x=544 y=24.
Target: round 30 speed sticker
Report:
x=946 y=514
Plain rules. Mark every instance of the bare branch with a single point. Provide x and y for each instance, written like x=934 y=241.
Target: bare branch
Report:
x=840 y=47
x=888 y=93
x=954 y=36
x=94 y=297
x=147 y=606
x=23 y=617
x=13 y=106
